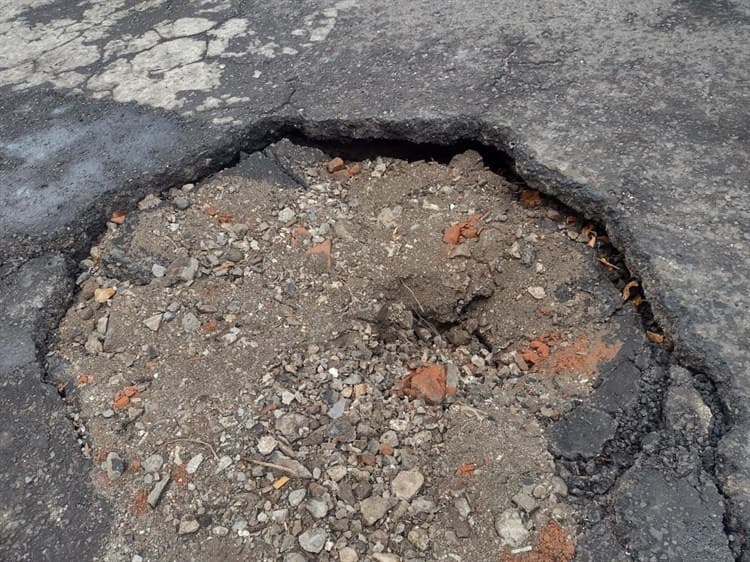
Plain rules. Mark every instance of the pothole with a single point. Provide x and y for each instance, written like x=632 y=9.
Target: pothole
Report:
x=374 y=367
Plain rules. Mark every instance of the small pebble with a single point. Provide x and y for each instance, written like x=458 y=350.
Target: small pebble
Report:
x=194 y=463
x=114 y=466
x=153 y=463
x=155 y=494
x=266 y=445
x=313 y=540
x=188 y=527
x=537 y=292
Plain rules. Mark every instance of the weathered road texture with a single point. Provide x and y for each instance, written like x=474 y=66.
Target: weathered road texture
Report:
x=636 y=113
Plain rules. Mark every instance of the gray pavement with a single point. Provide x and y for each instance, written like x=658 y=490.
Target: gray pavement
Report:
x=636 y=114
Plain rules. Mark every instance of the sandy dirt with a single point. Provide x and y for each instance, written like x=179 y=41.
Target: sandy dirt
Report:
x=365 y=369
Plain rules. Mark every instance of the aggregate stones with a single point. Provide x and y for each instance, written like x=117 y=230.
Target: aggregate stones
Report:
x=369 y=368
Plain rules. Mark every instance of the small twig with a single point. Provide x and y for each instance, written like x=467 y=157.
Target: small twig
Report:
x=286 y=449
x=354 y=299
x=412 y=294
x=197 y=441
x=427 y=323
x=175 y=244
x=469 y=410
x=272 y=465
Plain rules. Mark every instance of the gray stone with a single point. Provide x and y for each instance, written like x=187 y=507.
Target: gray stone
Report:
x=385 y=557
x=194 y=464
x=188 y=273
x=452 y=376
x=156 y=492
x=158 y=271
x=224 y=462
x=93 y=344
x=153 y=463
x=114 y=466
x=422 y=505
x=373 y=509
x=190 y=322
x=286 y=214
x=388 y=218
x=317 y=508
x=266 y=445
x=684 y=409
x=151 y=201
x=537 y=292
x=234 y=255
x=407 y=484
x=511 y=529
x=296 y=497
x=188 y=527
x=351 y=380
x=337 y=410
x=220 y=531
x=313 y=540
x=337 y=472
x=525 y=502
x=181 y=203
x=462 y=506
x=348 y=554
x=289 y=425
x=559 y=486
x=153 y=322
x=420 y=538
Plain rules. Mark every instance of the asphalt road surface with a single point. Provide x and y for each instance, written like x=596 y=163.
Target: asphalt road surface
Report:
x=636 y=114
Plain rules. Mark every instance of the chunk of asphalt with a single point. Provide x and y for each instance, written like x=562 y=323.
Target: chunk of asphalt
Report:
x=659 y=516
x=582 y=433
x=599 y=543
x=619 y=387
x=18 y=348
x=259 y=166
x=41 y=467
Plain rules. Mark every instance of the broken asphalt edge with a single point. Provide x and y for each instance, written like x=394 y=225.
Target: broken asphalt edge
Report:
x=74 y=238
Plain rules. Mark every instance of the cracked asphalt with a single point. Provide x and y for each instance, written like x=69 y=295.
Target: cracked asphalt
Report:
x=635 y=115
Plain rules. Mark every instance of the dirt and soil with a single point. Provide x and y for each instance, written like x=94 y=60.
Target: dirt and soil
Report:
x=362 y=369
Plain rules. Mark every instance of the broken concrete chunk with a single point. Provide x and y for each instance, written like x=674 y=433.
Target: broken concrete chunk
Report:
x=153 y=322
x=188 y=273
x=373 y=509
x=407 y=484
x=156 y=492
x=190 y=322
x=510 y=528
